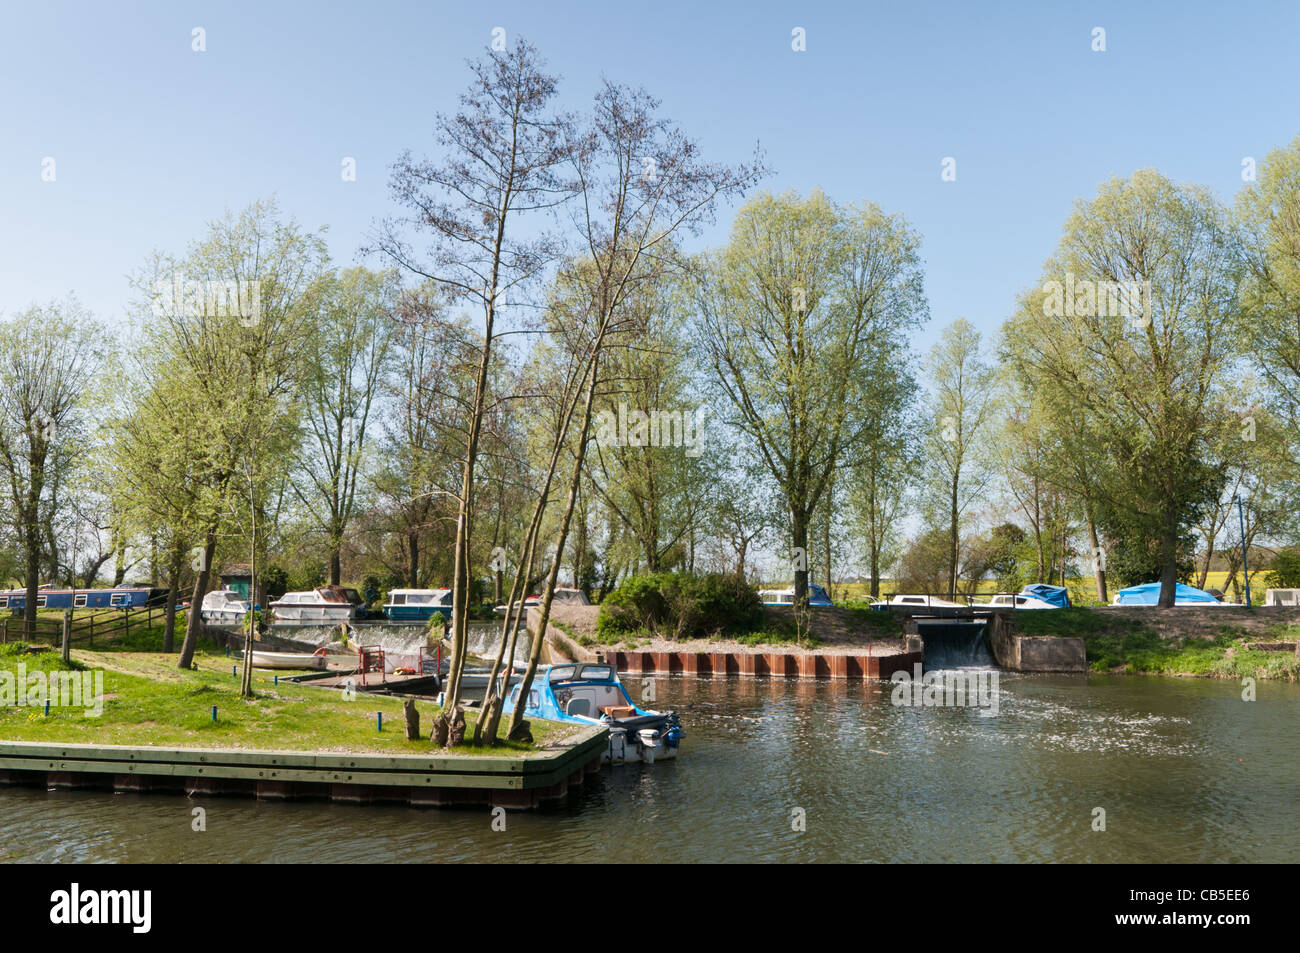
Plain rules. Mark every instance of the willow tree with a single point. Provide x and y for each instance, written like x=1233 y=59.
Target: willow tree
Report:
x=49 y=358
x=503 y=148
x=804 y=316
x=1268 y=247
x=961 y=405
x=157 y=451
x=1130 y=332
x=223 y=328
x=646 y=465
x=348 y=347
x=880 y=490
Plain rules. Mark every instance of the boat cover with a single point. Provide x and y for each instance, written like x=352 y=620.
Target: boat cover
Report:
x=1058 y=596
x=1148 y=594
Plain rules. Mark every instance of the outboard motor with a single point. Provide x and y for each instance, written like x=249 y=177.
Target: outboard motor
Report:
x=617 y=745
x=648 y=739
x=673 y=731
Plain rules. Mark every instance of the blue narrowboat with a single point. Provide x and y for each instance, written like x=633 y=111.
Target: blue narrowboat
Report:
x=589 y=693
x=122 y=597
x=417 y=605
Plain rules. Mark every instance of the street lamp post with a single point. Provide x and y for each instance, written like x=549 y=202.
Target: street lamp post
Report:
x=1245 y=570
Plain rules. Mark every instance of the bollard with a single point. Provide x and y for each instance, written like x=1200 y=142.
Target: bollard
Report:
x=232 y=671
x=275 y=680
x=47 y=708
x=214 y=712
x=227 y=651
x=379 y=721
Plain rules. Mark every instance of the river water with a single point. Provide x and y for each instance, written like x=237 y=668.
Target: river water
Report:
x=1184 y=769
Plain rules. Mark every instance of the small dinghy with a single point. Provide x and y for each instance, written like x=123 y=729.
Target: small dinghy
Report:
x=314 y=661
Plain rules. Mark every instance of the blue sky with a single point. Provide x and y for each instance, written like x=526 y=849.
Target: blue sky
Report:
x=151 y=139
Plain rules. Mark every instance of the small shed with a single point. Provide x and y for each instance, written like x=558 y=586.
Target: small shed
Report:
x=237 y=577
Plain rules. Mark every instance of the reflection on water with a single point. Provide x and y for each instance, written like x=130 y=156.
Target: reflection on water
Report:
x=1185 y=770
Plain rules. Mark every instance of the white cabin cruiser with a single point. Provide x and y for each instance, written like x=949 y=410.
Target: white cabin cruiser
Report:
x=562 y=597
x=1006 y=600
x=224 y=607
x=322 y=605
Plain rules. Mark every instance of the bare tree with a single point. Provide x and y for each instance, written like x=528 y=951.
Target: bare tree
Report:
x=504 y=147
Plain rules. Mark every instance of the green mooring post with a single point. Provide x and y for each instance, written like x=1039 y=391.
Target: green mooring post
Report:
x=379 y=721
x=67 y=635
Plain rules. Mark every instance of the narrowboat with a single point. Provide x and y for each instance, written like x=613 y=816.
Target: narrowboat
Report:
x=325 y=605
x=417 y=605
x=224 y=607
x=121 y=597
x=588 y=693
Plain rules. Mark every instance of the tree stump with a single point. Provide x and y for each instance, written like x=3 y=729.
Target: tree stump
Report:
x=456 y=732
x=412 y=720
x=438 y=735
x=522 y=733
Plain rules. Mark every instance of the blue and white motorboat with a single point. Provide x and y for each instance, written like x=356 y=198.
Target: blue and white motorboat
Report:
x=590 y=693
x=817 y=596
x=417 y=605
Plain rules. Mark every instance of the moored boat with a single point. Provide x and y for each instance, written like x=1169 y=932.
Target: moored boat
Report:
x=1148 y=594
x=324 y=604
x=417 y=605
x=1005 y=600
x=817 y=596
x=315 y=661
x=590 y=693
x=224 y=607
x=562 y=597
x=119 y=597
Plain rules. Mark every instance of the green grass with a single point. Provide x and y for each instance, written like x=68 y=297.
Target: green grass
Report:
x=883 y=624
x=1077 y=622
x=148 y=701
x=1117 y=642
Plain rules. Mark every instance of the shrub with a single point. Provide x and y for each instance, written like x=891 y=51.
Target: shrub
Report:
x=680 y=606
x=1284 y=572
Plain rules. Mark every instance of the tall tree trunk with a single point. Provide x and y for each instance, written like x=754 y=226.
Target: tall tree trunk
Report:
x=799 y=540
x=173 y=596
x=335 y=561
x=1169 y=564
x=413 y=558
x=194 y=623
x=548 y=594
x=1098 y=569
x=952 y=552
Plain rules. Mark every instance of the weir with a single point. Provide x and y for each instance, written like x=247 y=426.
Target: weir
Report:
x=954 y=644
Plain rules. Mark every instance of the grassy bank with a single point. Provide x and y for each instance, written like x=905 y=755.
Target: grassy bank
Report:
x=838 y=627
x=148 y=701
x=1189 y=642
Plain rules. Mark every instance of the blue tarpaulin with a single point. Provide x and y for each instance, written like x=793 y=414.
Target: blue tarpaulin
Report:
x=1148 y=594
x=1058 y=596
